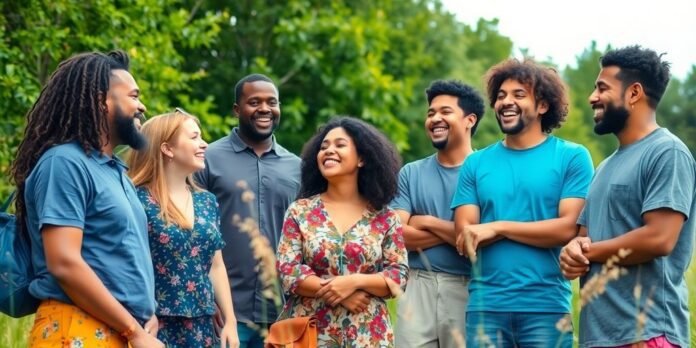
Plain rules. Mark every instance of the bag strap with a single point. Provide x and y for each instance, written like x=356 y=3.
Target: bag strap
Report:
x=7 y=203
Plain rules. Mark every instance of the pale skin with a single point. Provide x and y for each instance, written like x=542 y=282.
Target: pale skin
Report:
x=184 y=162
x=345 y=206
x=426 y=231
x=63 y=244
x=471 y=235
x=661 y=227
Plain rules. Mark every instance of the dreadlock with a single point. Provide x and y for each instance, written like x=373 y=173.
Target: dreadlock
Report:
x=70 y=107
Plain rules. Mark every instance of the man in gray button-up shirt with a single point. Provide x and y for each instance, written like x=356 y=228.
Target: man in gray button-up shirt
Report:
x=250 y=154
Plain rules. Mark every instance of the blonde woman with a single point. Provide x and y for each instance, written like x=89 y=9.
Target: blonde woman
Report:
x=183 y=229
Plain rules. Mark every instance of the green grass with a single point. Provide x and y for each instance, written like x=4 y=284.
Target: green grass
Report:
x=14 y=332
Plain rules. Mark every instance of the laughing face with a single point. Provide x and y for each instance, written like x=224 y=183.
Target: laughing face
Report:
x=445 y=123
x=338 y=155
x=258 y=110
x=516 y=108
x=187 y=151
x=610 y=112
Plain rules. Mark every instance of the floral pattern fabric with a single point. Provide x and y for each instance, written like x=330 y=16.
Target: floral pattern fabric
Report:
x=58 y=324
x=182 y=258
x=311 y=245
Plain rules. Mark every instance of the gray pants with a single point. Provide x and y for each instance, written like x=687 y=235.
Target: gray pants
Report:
x=432 y=311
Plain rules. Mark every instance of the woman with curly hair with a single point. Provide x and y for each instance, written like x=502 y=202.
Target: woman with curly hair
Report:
x=342 y=251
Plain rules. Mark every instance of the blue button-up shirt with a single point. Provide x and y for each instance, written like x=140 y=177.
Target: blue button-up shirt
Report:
x=274 y=179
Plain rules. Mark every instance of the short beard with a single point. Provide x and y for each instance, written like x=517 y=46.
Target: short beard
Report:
x=614 y=120
x=440 y=144
x=127 y=131
x=252 y=134
x=516 y=129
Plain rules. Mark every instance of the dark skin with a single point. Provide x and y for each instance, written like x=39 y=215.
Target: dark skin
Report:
x=660 y=231
x=63 y=245
x=258 y=111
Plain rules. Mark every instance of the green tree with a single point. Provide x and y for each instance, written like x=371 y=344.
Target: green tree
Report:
x=37 y=35
x=677 y=109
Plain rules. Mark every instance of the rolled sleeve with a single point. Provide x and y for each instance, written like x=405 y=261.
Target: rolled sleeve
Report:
x=290 y=265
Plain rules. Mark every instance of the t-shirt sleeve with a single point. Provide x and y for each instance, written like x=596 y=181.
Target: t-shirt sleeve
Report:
x=466 y=191
x=582 y=218
x=61 y=192
x=578 y=175
x=670 y=182
x=402 y=201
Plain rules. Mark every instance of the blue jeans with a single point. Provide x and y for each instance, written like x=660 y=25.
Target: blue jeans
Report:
x=248 y=337
x=516 y=329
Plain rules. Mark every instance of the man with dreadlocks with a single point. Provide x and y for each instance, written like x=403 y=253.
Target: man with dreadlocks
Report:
x=88 y=229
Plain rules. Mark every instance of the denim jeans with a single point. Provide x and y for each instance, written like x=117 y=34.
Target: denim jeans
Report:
x=515 y=329
x=248 y=337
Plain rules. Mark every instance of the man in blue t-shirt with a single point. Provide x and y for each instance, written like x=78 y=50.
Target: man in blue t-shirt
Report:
x=516 y=204
x=436 y=297
x=642 y=200
x=88 y=230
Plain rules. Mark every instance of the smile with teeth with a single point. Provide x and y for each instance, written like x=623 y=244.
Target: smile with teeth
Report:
x=439 y=130
x=330 y=162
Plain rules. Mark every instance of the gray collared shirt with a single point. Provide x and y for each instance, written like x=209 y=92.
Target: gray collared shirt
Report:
x=274 y=178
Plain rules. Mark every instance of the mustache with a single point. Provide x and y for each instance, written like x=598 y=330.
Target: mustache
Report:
x=140 y=116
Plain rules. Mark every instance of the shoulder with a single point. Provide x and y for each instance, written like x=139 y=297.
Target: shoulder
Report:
x=70 y=152
x=419 y=164
x=667 y=141
x=205 y=196
x=569 y=146
x=221 y=145
x=284 y=153
x=303 y=204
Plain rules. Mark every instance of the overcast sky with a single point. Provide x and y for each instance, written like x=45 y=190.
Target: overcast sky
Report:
x=561 y=30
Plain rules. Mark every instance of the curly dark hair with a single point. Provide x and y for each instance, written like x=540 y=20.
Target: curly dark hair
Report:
x=70 y=107
x=239 y=87
x=377 y=178
x=640 y=65
x=468 y=98
x=544 y=81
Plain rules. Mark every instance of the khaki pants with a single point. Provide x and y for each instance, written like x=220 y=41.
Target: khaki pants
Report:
x=432 y=311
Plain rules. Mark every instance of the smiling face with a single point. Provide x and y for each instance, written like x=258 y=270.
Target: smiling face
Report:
x=607 y=101
x=258 y=110
x=338 y=155
x=187 y=149
x=516 y=108
x=446 y=123
x=125 y=110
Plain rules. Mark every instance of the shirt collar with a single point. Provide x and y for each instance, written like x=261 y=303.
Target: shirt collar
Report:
x=238 y=145
x=102 y=158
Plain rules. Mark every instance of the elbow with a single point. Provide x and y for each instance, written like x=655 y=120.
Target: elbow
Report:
x=663 y=247
x=62 y=268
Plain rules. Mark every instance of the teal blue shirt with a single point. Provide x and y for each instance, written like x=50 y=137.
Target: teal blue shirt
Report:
x=524 y=186
x=656 y=172
x=426 y=188
x=93 y=193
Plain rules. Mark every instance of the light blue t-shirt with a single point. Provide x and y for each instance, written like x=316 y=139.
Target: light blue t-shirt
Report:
x=426 y=188
x=93 y=193
x=523 y=186
x=655 y=172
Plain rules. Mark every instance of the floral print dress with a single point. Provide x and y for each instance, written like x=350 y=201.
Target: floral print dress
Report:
x=182 y=259
x=311 y=245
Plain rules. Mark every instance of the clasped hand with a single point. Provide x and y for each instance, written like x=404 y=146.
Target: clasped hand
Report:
x=342 y=290
x=573 y=261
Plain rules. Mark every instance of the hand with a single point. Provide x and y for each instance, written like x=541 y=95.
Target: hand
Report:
x=218 y=320
x=357 y=302
x=418 y=221
x=142 y=339
x=573 y=261
x=471 y=236
x=152 y=326
x=334 y=290
x=228 y=335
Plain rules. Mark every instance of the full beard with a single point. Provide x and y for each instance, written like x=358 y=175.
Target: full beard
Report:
x=127 y=129
x=613 y=121
x=516 y=129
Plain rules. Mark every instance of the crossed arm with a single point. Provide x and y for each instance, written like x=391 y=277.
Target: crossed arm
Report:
x=544 y=234
x=425 y=231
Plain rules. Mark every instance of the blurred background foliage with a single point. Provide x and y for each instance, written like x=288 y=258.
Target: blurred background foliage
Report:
x=370 y=59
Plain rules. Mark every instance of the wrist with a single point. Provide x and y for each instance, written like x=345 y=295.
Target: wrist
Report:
x=499 y=227
x=132 y=331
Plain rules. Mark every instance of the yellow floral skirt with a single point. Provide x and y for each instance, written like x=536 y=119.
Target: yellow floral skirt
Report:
x=58 y=324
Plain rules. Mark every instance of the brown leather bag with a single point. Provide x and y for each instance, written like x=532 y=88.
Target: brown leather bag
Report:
x=298 y=332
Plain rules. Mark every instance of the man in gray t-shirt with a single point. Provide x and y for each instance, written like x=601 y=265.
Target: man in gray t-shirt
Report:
x=436 y=295
x=642 y=200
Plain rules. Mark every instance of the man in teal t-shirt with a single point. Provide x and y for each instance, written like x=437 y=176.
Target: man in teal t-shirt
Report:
x=516 y=203
x=641 y=200
x=436 y=295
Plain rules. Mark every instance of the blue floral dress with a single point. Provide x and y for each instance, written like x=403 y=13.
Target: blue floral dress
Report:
x=182 y=259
